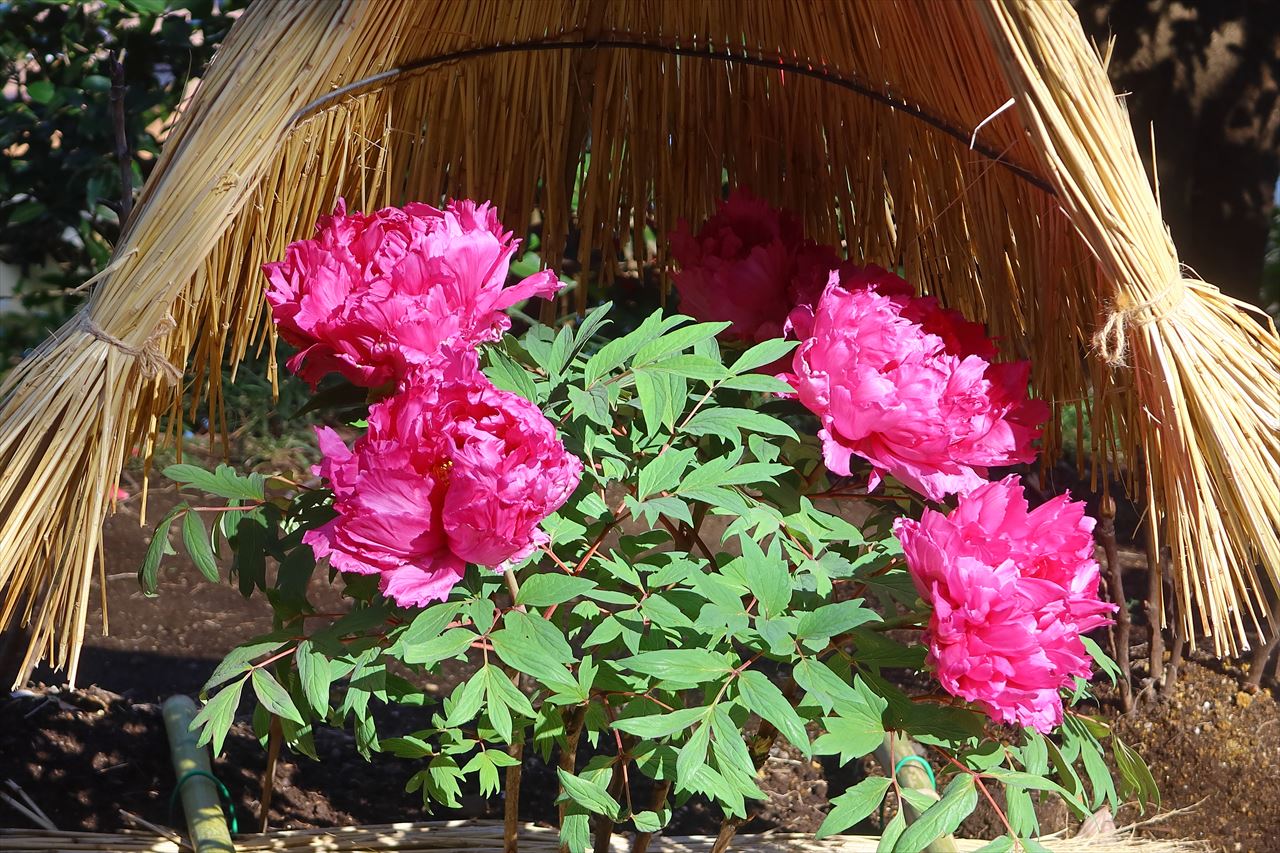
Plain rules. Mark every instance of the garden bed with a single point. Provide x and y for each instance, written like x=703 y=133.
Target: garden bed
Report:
x=85 y=756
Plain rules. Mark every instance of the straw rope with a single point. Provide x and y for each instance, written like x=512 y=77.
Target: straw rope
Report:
x=1112 y=340
x=883 y=125
x=151 y=359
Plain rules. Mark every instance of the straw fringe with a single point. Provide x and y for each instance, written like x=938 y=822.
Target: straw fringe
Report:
x=1044 y=228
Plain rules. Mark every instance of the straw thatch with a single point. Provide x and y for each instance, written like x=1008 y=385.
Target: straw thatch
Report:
x=479 y=836
x=978 y=145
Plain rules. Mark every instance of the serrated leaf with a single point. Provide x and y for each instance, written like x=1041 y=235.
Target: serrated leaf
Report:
x=217 y=715
x=575 y=830
x=543 y=590
x=593 y=404
x=195 y=537
x=272 y=696
x=594 y=798
x=314 y=672
x=762 y=697
x=942 y=818
x=854 y=805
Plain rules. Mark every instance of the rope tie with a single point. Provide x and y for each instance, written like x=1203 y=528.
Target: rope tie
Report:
x=151 y=361
x=1112 y=340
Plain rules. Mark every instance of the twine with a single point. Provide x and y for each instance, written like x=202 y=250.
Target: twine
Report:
x=1112 y=340
x=151 y=361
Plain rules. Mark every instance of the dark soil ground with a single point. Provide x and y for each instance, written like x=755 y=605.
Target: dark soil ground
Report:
x=90 y=756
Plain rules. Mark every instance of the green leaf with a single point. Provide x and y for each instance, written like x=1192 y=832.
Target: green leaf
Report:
x=1003 y=844
x=148 y=575
x=217 y=715
x=859 y=728
x=662 y=398
x=590 y=325
x=680 y=666
x=758 y=382
x=41 y=91
x=614 y=353
x=467 y=698
x=1136 y=774
x=697 y=367
x=729 y=423
x=829 y=690
x=575 y=830
x=660 y=725
x=315 y=674
x=594 y=798
x=448 y=645
x=27 y=211
x=238 y=659
x=673 y=342
x=650 y=821
x=509 y=375
x=766 y=352
x=829 y=620
x=593 y=404
x=224 y=481
x=942 y=818
x=534 y=646
x=545 y=589
x=196 y=539
x=427 y=626
x=272 y=696
x=762 y=697
x=767 y=577
x=663 y=472
x=146 y=7
x=854 y=805
x=892 y=832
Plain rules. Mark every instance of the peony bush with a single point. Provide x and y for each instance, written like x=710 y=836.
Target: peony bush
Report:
x=655 y=553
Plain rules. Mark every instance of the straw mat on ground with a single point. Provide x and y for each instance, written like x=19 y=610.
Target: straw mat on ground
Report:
x=885 y=124
x=468 y=837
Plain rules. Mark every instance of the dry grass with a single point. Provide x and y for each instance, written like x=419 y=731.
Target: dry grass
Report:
x=859 y=116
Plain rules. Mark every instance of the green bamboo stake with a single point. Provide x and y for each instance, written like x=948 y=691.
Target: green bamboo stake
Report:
x=196 y=783
x=898 y=753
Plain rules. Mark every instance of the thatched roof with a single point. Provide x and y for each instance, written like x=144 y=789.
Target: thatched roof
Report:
x=886 y=124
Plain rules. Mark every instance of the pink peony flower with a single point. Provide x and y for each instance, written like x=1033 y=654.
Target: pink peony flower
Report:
x=373 y=295
x=748 y=264
x=451 y=471
x=888 y=390
x=1012 y=593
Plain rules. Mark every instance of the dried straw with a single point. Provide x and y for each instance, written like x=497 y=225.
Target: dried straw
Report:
x=472 y=836
x=880 y=123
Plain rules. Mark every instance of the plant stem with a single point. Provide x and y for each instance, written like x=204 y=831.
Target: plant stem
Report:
x=1155 y=615
x=604 y=826
x=275 y=734
x=1115 y=575
x=511 y=808
x=569 y=754
x=660 y=792
x=124 y=161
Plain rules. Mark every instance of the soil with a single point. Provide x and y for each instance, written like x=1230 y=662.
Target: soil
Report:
x=93 y=757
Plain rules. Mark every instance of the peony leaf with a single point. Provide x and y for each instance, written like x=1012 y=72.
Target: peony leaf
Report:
x=959 y=800
x=829 y=620
x=215 y=718
x=680 y=666
x=315 y=674
x=762 y=697
x=272 y=696
x=664 y=471
x=196 y=539
x=222 y=481
x=594 y=798
x=763 y=353
x=660 y=725
x=546 y=589
x=854 y=805
x=149 y=574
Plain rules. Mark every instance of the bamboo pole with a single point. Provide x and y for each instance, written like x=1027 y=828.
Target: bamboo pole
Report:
x=206 y=823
